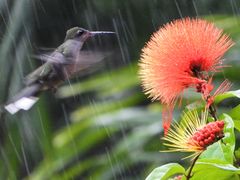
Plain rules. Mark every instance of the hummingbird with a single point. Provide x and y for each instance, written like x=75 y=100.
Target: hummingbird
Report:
x=62 y=64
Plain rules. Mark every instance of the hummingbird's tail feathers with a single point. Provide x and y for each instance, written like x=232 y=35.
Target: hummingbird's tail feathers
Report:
x=25 y=103
x=25 y=99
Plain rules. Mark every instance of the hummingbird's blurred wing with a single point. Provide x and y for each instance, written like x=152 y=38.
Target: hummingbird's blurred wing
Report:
x=87 y=60
x=55 y=57
x=45 y=49
x=84 y=60
x=46 y=69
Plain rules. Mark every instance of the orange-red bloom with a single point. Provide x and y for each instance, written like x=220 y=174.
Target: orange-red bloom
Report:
x=178 y=56
x=177 y=53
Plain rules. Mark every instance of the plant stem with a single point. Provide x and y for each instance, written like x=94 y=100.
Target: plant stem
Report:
x=212 y=111
x=188 y=176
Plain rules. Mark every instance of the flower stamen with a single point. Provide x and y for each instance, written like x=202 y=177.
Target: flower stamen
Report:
x=193 y=134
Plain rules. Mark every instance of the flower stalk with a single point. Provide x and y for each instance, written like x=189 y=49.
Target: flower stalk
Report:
x=188 y=176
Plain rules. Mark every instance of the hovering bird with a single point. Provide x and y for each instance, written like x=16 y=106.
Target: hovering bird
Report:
x=62 y=64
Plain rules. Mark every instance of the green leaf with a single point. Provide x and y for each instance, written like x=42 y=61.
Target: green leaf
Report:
x=237 y=153
x=98 y=108
x=235 y=114
x=166 y=171
x=214 y=169
x=223 y=151
x=228 y=23
x=104 y=84
x=226 y=95
x=66 y=152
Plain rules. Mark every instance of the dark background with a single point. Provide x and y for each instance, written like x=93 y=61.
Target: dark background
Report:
x=102 y=126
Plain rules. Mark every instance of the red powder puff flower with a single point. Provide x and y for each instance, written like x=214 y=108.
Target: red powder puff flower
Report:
x=178 y=56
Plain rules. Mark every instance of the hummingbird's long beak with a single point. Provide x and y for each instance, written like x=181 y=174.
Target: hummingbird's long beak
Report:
x=93 y=33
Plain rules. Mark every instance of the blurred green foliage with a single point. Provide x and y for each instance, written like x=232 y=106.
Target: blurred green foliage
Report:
x=101 y=126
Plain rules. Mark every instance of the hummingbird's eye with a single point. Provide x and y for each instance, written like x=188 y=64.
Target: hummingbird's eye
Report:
x=79 y=33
